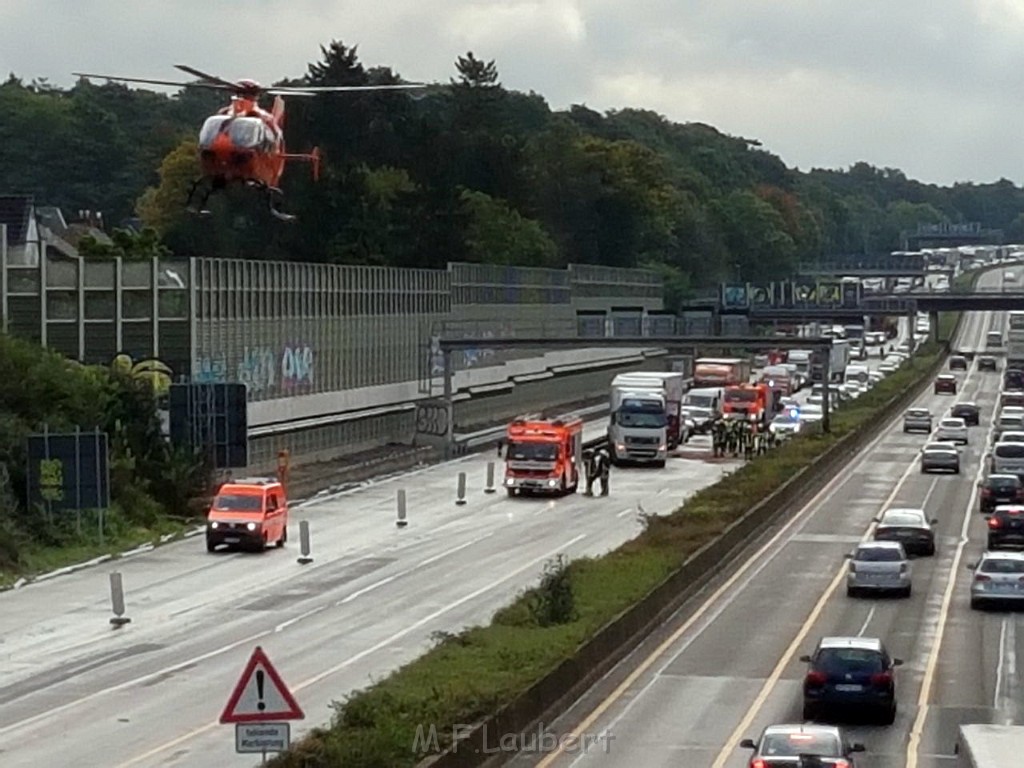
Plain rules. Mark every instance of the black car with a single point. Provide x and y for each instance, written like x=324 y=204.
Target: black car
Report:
x=1000 y=489
x=958 y=363
x=945 y=382
x=850 y=672
x=1013 y=380
x=969 y=412
x=910 y=527
x=987 y=363
x=1006 y=527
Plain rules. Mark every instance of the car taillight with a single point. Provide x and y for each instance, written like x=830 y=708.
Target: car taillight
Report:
x=993 y=522
x=757 y=762
x=986 y=491
x=882 y=678
x=841 y=764
x=816 y=678
x=904 y=567
x=982 y=577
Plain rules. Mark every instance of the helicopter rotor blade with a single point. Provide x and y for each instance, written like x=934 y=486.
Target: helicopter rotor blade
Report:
x=207 y=77
x=283 y=90
x=149 y=81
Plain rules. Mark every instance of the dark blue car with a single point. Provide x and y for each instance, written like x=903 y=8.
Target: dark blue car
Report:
x=850 y=673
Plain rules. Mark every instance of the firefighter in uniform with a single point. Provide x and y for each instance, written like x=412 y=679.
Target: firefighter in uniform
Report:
x=603 y=467
x=591 y=471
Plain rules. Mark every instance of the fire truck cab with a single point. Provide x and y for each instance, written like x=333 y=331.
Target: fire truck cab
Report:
x=543 y=455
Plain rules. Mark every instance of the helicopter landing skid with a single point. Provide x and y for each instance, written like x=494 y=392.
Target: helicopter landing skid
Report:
x=207 y=190
x=274 y=199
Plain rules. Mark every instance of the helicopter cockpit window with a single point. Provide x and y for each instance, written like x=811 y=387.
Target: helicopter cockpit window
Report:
x=211 y=129
x=247 y=132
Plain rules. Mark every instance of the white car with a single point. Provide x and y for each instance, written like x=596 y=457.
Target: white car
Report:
x=811 y=413
x=785 y=425
x=952 y=430
x=877 y=566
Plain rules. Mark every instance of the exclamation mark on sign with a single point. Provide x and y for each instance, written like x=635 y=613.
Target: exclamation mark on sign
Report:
x=261 y=705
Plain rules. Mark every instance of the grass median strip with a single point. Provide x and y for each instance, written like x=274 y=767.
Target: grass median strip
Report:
x=418 y=710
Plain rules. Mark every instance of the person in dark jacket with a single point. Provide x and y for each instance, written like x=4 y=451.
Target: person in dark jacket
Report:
x=590 y=468
x=603 y=466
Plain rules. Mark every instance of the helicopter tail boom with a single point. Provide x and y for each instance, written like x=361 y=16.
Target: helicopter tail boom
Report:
x=313 y=157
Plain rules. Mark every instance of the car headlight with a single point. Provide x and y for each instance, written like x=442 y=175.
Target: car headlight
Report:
x=552 y=483
x=251 y=526
x=214 y=524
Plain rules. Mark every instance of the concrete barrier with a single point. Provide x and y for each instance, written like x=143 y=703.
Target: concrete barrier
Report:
x=555 y=692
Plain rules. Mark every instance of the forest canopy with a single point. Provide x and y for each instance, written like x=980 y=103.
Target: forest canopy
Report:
x=472 y=171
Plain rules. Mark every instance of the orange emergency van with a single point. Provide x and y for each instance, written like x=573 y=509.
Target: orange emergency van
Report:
x=543 y=455
x=248 y=514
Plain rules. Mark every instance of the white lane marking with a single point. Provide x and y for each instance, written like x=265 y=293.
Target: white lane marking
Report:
x=867 y=621
x=202 y=657
x=285 y=624
x=1006 y=671
x=625 y=512
x=401 y=574
x=367 y=651
x=931 y=666
x=997 y=694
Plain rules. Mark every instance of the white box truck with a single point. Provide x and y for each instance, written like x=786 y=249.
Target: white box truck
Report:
x=672 y=386
x=989 y=746
x=638 y=425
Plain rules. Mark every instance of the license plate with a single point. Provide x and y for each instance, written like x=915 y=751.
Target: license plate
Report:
x=846 y=687
x=231 y=539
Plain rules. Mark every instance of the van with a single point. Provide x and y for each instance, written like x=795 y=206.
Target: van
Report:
x=1008 y=459
x=248 y=514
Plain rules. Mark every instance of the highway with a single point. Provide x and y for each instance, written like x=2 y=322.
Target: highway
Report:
x=728 y=664
x=74 y=691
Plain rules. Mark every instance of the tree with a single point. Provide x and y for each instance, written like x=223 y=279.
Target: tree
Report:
x=497 y=234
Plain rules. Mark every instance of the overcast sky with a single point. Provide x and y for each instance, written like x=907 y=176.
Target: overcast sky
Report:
x=934 y=88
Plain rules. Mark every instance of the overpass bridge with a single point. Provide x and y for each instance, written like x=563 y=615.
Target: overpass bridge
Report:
x=868 y=267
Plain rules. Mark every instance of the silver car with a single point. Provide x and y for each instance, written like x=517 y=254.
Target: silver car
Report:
x=952 y=430
x=944 y=457
x=917 y=420
x=998 y=579
x=879 y=566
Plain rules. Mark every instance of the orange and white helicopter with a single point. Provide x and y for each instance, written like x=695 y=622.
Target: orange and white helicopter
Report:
x=244 y=143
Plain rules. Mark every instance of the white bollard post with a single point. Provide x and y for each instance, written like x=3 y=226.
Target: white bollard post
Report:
x=461 y=489
x=490 y=478
x=401 y=522
x=304 y=544
x=117 y=600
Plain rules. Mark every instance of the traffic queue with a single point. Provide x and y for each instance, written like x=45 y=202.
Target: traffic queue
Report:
x=858 y=674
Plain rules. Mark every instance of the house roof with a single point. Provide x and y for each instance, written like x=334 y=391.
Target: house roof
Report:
x=14 y=212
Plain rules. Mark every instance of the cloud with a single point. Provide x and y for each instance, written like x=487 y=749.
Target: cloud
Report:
x=931 y=88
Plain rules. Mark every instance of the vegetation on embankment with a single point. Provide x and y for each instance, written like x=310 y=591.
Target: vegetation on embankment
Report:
x=472 y=674
x=150 y=484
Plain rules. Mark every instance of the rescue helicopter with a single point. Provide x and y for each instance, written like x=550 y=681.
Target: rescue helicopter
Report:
x=244 y=143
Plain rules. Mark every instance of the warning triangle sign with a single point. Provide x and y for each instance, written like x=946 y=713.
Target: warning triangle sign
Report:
x=260 y=695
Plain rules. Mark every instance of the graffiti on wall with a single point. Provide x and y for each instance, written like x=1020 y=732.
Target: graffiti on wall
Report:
x=262 y=370
x=257 y=369
x=211 y=370
x=297 y=366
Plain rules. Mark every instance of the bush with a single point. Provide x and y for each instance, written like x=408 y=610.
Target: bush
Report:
x=40 y=389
